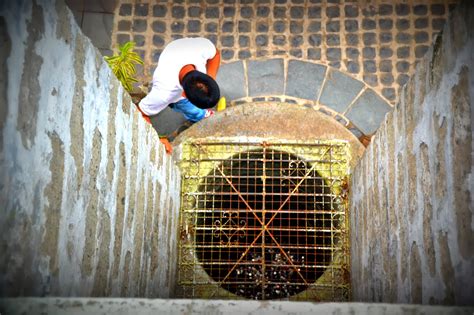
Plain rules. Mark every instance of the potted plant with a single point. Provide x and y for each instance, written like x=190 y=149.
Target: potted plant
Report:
x=123 y=66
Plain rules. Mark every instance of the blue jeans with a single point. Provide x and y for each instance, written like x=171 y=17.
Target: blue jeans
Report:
x=189 y=110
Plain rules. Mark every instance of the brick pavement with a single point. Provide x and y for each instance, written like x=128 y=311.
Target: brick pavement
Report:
x=377 y=43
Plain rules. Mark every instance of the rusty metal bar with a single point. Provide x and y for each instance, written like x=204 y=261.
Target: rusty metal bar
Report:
x=267 y=221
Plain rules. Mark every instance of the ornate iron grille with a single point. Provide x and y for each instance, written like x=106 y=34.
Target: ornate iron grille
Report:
x=264 y=221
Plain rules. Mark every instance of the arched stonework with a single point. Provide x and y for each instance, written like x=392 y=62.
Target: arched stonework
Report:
x=348 y=100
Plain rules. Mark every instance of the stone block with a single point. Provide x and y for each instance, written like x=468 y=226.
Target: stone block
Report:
x=403 y=24
x=332 y=11
x=296 y=12
x=402 y=9
x=421 y=50
x=351 y=25
x=368 y=24
x=437 y=9
x=244 y=26
x=296 y=41
x=210 y=27
x=314 y=53
x=279 y=12
x=333 y=40
x=177 y=27
x=279 y=26
x=139 y=25
x=261 y=40
x=227 y=54
x=352 y=53
x=368 y=53
x=177 y=12
x=231 y=80
x=194 y=11
x=212 y=12
x=244 y=41
x=351 y=10
x=194 y=26
x=296 y=27
x=227 y=41
x=352 y=66
x=385 y=24
x=352 y=39
x=333 y=26
x=229 y=11
x=263 y=11
x=421 y=23
x=387 y=79
x=297 y=53
x=420 y=9
x=368 y=111
x=125 y=9
x=265 y=77
x=279 y=40
x=385 y=9
x=385 y=52
x=304 y=86
x=227 y=27
x=369 y=39
x=314 y=27
x=314 y=12
x=339 y=90
x=246 y=12
x=141 y=9
x=124 y=25
x=385 y=38
x=244 y=54
x=333 y=54
x=159 y=10
x=262 y=27
x=159 y=27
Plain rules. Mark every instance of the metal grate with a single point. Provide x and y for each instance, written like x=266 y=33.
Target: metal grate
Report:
x=264 y=221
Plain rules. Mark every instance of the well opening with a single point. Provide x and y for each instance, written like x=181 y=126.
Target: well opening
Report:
x=264 y=221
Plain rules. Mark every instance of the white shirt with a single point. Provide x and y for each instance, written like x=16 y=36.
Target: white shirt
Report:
x=166 y=87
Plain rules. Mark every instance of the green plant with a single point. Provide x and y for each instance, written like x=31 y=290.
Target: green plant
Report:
x=123 y=65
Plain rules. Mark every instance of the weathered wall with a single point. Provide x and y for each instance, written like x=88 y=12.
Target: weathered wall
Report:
x=88 y=198
x=412 y=208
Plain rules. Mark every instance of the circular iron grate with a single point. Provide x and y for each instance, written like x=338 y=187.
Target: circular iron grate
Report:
x=265 y=228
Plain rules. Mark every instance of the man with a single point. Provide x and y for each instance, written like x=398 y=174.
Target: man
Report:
x=185 y=79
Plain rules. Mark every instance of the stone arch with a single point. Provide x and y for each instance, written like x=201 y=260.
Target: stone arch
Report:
x=333 y=91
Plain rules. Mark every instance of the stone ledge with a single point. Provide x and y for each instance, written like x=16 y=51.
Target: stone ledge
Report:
x=186 y=306
x=309 y=82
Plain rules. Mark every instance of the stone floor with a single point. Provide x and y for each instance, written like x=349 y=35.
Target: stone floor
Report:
x=305 y=49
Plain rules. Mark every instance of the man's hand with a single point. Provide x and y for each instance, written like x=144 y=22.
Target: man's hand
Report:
x=209 y=113
x=167 y=145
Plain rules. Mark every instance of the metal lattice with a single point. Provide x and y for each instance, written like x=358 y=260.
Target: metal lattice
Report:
x=264 y=221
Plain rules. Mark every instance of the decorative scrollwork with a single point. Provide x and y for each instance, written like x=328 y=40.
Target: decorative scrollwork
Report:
x=229 y=229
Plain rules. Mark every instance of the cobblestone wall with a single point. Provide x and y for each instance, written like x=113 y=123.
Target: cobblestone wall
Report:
x=377 y=42
x=88 y=198
x=411 y=203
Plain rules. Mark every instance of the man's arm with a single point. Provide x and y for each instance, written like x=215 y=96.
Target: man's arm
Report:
x=213 y=64
x=152 y=104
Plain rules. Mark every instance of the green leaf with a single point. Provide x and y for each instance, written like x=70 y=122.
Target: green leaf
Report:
x=123 y=64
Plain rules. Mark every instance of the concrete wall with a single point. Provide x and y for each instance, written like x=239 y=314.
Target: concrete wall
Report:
x=88 y=198
x=411 y=205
